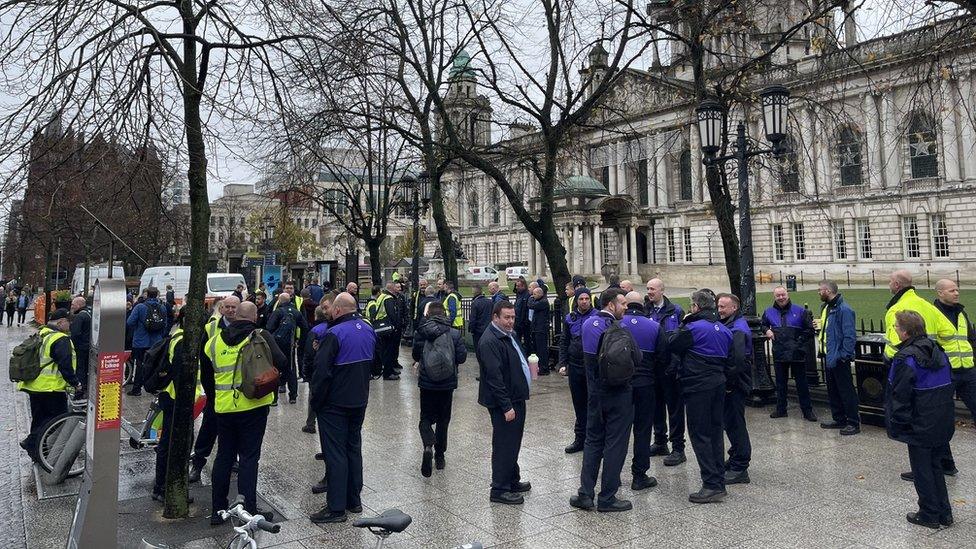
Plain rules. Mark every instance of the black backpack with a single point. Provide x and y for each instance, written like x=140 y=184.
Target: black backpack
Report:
x=438 y=363
x=157 y=366
x=155 y=320
x=618 y=356
x=284 y=334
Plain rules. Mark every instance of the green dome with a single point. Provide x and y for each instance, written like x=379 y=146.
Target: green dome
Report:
x=580 y=185
x=460 y=66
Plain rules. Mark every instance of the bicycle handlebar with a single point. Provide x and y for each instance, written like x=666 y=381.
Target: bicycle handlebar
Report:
x=250 y=521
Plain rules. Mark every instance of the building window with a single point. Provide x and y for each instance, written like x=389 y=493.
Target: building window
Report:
x=642 y=182
x=799 y=242
x=864 y=250
x=840 y=240
x=496 y=207
x=849 y=156
x=940 y=236
x=685 y=175
x=779 y=251
x=922 y=146
x=473 y=209
x=789 y=168
x=672 y=252
x=686 y=237
x=910 y=232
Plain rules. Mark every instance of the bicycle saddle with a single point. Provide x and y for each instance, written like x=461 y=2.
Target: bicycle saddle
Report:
x=393 y=520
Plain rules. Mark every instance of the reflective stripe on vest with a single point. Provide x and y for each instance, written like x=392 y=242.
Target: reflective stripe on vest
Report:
x=378 y=306
x=171 y=388
x=49 y=380
x=458 y=317
x=822 y=336
x=958 y=348
x=227 y=379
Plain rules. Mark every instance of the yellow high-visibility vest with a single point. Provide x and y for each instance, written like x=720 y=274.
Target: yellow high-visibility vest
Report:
x=171 y=388
x=958 y=348
x=937 y=326
x=50 y=379
x=228 y=397
x=458 y=318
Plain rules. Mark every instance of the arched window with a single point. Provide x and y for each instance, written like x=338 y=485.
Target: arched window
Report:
x=789 y=168
x=684 y=166
x=849 y=156
x=473 y=209
x=473 y=128
x=495 y=206
x=923 y=151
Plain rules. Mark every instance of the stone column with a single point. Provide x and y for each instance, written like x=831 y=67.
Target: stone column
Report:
x=612 y=158
x=950 y=134
x=620 y=148
x=872 y=154
x=890 y=141
x=807 y=184
x=633 y=248
x=967 y=112
x=587 y=249
x=597 y=248
x=575 y=246
x=823 y=138
x=621 y=250
x=661 y=165
x=533 y=265
x=697 y=176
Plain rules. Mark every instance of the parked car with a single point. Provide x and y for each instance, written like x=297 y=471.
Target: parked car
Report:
x=513 y=273
x=218 y=284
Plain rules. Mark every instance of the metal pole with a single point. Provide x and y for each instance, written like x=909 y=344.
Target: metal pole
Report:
x=415 y=270
x=747 y=265
x=57 y=268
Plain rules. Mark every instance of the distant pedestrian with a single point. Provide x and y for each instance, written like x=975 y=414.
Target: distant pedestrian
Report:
x=315 y=291
x=23 y=301
x=738 y=385
x=149 y=323
x=919 y=411
x=283 y=324
x=81 y=332
x=669 y=408
x=523 y=329
x=479 y=315
x=836 y=344
x=790 y=328
x=503 y=389
x=10 y=305
x=572 y=364
x=540 y=322
x=437 y=377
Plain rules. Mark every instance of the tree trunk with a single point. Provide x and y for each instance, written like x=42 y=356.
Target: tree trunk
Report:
x=444 y=235
x=556 y=257
x=725 y=217
x=48 y=252
x=375 y=270
x=186 y=380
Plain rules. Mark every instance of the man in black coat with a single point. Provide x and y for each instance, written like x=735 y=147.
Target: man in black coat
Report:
x=503 y=389
x=81 y=321
x=282 y=324
x=480 y=316
x=522 y=328
x=540 y=313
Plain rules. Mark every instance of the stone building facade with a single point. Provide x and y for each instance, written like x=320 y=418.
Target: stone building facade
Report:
x=882 y=173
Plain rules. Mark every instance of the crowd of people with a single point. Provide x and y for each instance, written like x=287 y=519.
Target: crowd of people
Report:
x=637 y=365
x=14 y=301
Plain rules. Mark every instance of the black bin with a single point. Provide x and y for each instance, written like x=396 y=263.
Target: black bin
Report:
x=871 y=375
x=791 y=283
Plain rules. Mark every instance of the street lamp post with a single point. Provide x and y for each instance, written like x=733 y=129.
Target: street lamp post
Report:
x=711 y=120
x=416 y=197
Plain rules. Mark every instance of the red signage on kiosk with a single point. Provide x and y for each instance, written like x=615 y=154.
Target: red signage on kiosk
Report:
x=108 y=397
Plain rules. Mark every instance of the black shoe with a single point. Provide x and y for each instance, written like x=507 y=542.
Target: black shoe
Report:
x=850 y=430
x=777 y=414
x=736 y=477
x=582 y=502
x=576 y=446
x=909 y=476
x=617 y=506
x=659 y=449
x=439 y=461
x=811 y=417
x=310 y=429
x=292 y=400
x=324 y=516
x=194 y=475
x=675 y=458
x=394 y=377
x=642 y=482
x=355 y=509
x=268 y=515
x=24 y=444
x=216 y=520
x=946 y=520
x=321 y=486
x=282 y=390
x=950 y=472
x=913 y=518
x=508 y=498
x=425 y=463
x=519 y=487
x=831 y=425
x=707 y=495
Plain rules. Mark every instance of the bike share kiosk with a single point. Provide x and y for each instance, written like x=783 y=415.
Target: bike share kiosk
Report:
x=96 y=520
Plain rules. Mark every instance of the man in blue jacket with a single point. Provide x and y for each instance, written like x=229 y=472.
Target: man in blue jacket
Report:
x=652 y=341
x=571 y=363
x=669 y=410
x=339 y=392
x=737 y=387
x=150 y=323
x=790 y=328
x=835 y=344
x=704 y=347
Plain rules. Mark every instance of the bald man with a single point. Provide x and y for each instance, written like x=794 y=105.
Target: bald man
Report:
x=339 y=391
x=285 y=324
x=904 y=298
x=669 y=409
x=81 y=321
x=627 y=286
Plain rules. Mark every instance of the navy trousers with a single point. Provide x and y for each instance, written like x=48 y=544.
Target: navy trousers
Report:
x=783 y=372
x=740 y=449
x=933 y=498
x=506 y=442
x=577 y=390
x=643 y=428
x=342 y=437
x=240 y=435
x=669 y=412
x=705 y=410
x=610 y=417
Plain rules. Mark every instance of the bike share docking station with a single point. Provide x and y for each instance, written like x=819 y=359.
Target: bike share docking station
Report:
x=96 y=518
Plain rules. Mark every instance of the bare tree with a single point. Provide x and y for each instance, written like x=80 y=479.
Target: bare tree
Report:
x=164 y=72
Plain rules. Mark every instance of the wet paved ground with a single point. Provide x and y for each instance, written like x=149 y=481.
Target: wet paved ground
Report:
x=810 y=487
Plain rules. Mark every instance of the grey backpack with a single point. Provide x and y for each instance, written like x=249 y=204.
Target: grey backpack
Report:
x=438 y=361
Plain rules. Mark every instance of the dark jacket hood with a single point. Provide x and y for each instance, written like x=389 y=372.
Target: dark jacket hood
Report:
x=710 y=315
x=789 y=303
x=635 y=309
x=237 y=331
x=434 y=326
x=731 y=320
x=922 y=349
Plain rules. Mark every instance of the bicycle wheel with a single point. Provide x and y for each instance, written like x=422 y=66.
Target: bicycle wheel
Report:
x=52 y=440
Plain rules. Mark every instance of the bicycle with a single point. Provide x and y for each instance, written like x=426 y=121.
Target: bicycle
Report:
x=60 y=435
x=394 y=521
x=246 y=526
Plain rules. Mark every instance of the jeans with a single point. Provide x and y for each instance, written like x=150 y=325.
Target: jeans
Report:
x=435 y=413
x=139 y=375
x=240 y=435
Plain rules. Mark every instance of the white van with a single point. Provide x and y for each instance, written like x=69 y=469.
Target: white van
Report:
x=513 y=273
x=482 y=272
x=94 y=273
x=178 y=276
